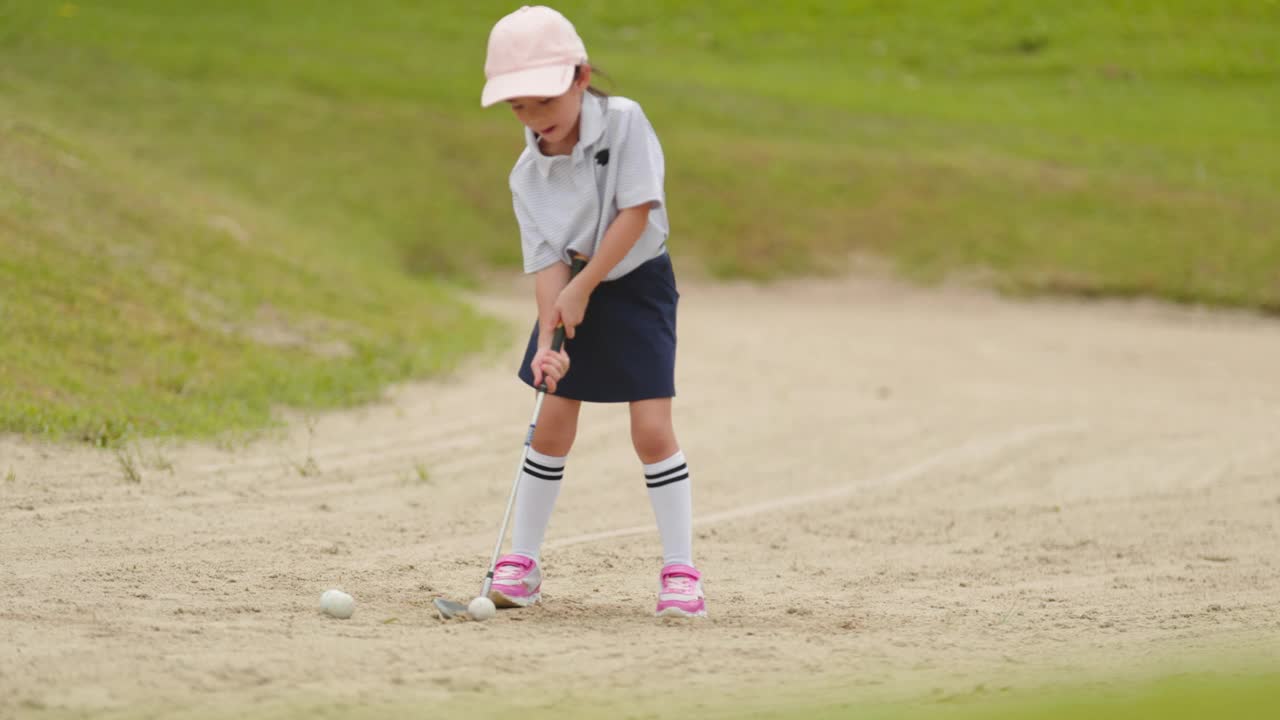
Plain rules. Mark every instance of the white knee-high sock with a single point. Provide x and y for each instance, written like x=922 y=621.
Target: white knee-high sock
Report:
x=536 y=498
x=672 y=499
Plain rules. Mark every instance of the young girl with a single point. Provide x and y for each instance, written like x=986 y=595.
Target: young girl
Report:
x=590 y=181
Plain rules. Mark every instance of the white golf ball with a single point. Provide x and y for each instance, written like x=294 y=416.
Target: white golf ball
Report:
x=337 y=604
x=481 y=609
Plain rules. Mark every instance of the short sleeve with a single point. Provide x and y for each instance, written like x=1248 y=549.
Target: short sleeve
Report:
x=641 y=166
x=538 y=253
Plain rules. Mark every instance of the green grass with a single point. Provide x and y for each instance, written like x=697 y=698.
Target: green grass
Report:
x=137 y=302
x=1187 y=697
x=1181 y=697
x=1095 y=147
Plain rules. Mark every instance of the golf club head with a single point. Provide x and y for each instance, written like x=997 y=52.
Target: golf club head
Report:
x=449 y=609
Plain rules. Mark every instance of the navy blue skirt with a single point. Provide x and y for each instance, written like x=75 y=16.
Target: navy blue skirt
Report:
x=625 y=348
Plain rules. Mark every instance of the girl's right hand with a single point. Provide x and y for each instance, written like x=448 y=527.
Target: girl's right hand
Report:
x=549 y=365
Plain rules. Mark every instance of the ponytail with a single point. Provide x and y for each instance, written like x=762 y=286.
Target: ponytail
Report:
x=577 y=73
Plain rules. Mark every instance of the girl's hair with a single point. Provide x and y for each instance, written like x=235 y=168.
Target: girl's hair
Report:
x=577 y=73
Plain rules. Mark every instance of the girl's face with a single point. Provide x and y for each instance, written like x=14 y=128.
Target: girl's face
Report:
x=554 y=119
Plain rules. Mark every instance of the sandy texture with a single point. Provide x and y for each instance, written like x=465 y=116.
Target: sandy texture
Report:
x=895 y=488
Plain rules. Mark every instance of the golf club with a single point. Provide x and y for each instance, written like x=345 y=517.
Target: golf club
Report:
x=450 y=608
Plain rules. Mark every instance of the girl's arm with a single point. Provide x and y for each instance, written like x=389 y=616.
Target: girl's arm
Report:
x=570 y=305
x=551 y=366
x=548 y=283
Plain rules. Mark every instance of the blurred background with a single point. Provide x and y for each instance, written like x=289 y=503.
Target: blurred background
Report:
x=210 y=210
x=207 y=209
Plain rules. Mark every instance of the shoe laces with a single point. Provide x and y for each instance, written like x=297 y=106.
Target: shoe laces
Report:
x=507 y=571
x=682 y=584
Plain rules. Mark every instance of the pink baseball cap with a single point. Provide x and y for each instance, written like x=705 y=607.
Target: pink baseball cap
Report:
x=532 y=52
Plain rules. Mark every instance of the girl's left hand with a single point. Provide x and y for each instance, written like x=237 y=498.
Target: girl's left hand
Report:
x=571 y=306
x=550 y=367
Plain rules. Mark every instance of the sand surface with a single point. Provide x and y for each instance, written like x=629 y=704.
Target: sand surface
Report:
x=897 y=490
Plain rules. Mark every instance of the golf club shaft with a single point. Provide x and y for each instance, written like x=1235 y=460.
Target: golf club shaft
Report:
x=511 y=500
x=557 y=341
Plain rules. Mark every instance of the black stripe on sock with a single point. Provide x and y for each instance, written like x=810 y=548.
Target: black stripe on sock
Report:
x=660 y=483
x=678 y=468
x=543 y=468
x=544 y=476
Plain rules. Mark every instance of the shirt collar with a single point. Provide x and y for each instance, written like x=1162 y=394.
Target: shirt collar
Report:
x=590 y=129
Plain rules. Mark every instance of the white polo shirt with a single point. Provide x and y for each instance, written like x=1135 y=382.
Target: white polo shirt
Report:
x=617 y=162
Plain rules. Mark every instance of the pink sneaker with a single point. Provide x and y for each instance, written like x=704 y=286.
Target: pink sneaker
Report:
x=681 y=593
x=517 y=582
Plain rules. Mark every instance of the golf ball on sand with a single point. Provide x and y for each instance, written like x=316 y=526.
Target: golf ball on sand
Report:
x=337 y=604
x=481 y=609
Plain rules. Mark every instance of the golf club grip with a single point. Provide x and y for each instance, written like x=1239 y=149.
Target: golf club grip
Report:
x=557 y=341
x=557 y=338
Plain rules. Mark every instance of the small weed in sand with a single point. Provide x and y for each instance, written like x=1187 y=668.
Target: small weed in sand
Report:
x=160 y=461
x=128 y=465
x=308 y=467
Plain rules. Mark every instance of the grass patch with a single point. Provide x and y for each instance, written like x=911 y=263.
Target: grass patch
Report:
x=1187 y=697
x=138 y=302
x=210 y=209
x=1182 y=697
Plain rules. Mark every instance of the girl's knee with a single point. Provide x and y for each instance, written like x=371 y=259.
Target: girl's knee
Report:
x=653 y=441
x=651 y=431
x=556 y=429
x=555 y=439
x=552 y=447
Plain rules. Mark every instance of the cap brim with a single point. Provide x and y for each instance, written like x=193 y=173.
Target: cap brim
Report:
x=549 y=81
